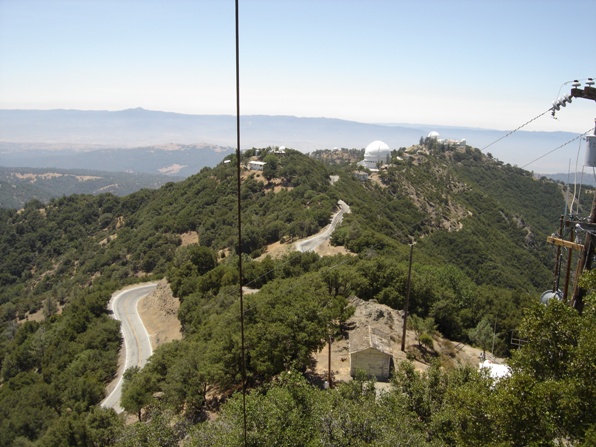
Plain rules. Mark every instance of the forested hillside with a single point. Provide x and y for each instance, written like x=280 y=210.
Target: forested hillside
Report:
x=479 y=229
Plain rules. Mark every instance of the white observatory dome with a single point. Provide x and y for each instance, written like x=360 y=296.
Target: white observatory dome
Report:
x=435 y=135
x=377 y=150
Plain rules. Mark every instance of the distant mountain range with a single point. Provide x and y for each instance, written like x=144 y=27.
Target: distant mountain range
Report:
x=72 y=139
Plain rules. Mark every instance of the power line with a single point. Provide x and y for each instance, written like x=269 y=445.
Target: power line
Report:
x=516 y=129
x=558 y=147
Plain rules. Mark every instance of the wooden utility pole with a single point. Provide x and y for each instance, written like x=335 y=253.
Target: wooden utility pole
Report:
x=568 y=268
x=329 y=377
x=570 y=245
x=558 y=258
x=403 y=336
x=587 y=252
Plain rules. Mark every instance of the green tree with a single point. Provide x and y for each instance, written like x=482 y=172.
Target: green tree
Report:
x=424 y=328
x=202 y=257
x=270 y=168
x=482 y=335
x=158 y=431
x=551 y=393
x=137 y=391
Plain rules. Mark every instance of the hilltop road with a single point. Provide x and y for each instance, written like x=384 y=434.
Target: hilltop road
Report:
x=313 y=242
x=137 y=344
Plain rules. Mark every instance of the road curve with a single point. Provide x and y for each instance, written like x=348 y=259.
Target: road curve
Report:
x=313 y=242
x=137 y=344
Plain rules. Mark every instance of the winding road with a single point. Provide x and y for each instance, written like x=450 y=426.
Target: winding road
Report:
x=137 y=344
x=313 y=242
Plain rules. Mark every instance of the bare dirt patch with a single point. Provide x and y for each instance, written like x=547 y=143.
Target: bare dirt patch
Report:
x=277 y=250
x=172 y=169
x=159 y=312
x=190 y=237
x=389 y=321
x=326 y=249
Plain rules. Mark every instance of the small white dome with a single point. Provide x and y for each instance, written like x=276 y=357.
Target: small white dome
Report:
x=435 y=135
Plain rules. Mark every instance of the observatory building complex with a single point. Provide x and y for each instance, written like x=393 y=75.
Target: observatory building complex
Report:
x=435 y=136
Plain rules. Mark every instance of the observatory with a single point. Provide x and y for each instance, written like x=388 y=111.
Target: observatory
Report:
x=375 y=153
x=434 y=135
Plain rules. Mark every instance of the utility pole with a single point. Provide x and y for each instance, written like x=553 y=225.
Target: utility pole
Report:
x=558 y=258
x=587 y=252
x=585 y=261
x=403 y=336
x=329 y=376
x=568 y=268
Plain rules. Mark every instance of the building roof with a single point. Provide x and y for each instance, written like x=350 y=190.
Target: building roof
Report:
x=366 y=337
x=495 y=370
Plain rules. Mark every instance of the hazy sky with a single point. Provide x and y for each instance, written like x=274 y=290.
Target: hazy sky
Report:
x=474 y=63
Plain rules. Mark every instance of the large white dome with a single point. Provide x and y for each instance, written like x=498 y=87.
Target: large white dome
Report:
x=377 y=149
x=375 y=153
x=434 y=134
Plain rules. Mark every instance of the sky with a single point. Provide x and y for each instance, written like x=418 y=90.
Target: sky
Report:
x=470 y=63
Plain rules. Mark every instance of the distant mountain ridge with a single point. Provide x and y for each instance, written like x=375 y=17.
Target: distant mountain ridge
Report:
x=178 y=160
x=587 y=178
x=20 y=185
x=139 y=127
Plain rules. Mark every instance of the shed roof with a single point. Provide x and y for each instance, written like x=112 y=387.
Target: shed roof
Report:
x=367 y=338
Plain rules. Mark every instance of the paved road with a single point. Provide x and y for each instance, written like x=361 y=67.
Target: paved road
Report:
x=137 y=343
x=313 y=242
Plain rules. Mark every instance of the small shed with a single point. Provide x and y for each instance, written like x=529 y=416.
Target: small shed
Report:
x=370 y=351
x=361 y=175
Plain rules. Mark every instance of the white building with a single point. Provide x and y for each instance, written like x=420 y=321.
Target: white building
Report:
x=435 y=136
x=495 y=370
x=256 y=165
x=376 y=153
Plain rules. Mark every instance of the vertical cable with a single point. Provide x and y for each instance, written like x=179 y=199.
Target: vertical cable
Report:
x=238 y=185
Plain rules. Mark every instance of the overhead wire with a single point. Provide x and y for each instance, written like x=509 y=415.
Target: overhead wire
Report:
x=544 y=155
x=558 y=147
x=516 y=129
x=577 y=194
